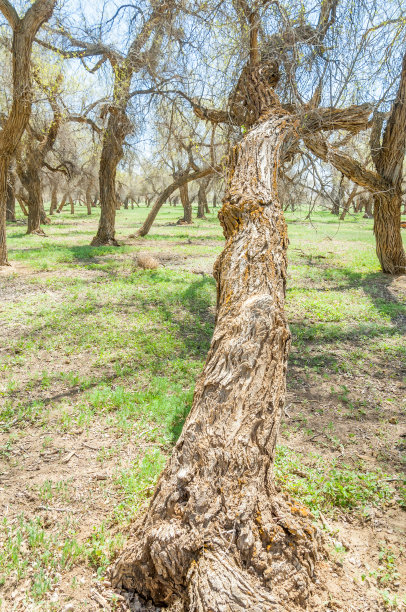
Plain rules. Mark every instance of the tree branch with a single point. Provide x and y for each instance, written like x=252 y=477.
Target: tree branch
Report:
x=348 y=166
x=9 y=13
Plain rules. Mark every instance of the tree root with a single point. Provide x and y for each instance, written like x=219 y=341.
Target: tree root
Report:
x=267 y=565
x=100 y=241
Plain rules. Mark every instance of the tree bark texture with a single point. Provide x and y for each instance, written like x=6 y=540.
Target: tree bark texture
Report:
x=112 y=151
x=33 y=187
x=24 y=32
x=202 y=206
x=187 y=206
x=54 y=200
x=11 y=200
x=217 y=536
x=388 y=161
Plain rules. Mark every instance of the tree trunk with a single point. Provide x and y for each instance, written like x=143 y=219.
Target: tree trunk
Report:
x=72 y=206
x=63 y=202
x=369 y=210
x=4 y=164
x=22 y=205
x=202 y=206
x=187 y=206
x=217 y=536
x=11 y=201
x=215 y=200
x=44 y=219
x=54 y=200
x=88 y=200
x=389 y=244
x=35 y=205
x=25 y=29
x=117 y=129
x=347 y=205
x=177 y=184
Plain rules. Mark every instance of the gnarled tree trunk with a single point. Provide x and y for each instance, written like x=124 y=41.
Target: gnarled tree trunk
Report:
x=24 y=32
x=11 y=200
x=187 y=206
x=36 y=211
x=217 y=535
x=389 y=244
x=202 y=199
x=117 y=129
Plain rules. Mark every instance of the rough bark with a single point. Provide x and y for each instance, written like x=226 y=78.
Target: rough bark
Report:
x=387 y=206
x=385 y=183
x=112 y=151
x=54 y=200
x=202 y=206
x=29 y=165
x=24 y=32
x=118 y=125
x=11 y=200
x=187 y=206
x=217 y=535
x=33 y=187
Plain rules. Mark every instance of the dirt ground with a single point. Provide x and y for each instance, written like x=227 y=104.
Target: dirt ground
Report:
x=63 y=473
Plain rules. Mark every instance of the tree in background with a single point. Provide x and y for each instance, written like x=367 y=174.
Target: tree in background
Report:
x=24 y=31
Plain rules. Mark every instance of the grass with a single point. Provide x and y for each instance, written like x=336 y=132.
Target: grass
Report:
x=102 y=357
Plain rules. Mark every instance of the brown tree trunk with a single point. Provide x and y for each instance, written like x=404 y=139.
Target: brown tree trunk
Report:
x=202 y=206
x=4 y=164
x=45 y=220
x=215 y=200
x=217 y=536
x=54 y=200
x=72 y=206
x=11 y=201
x=117 y=129
x=35 y=205
x=22 y=206
x=187 y=207
x=347 y=205
x=389 y=243
x=369 y=207
x=24 y=31
x=177 y=184
x=88 y=200
x=63 y=202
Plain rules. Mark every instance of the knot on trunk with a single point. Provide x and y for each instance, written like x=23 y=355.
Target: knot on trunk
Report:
x=254 y=93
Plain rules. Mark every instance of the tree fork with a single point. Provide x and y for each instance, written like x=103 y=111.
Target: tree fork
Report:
x=217 y=535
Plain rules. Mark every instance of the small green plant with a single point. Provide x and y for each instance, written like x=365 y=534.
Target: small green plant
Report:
x=387 y=572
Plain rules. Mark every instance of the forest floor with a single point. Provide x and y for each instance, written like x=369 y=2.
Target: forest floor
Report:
x=98 y=360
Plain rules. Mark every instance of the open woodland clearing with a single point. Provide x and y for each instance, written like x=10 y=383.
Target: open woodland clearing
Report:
x=202 y=304
x=98 y=364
